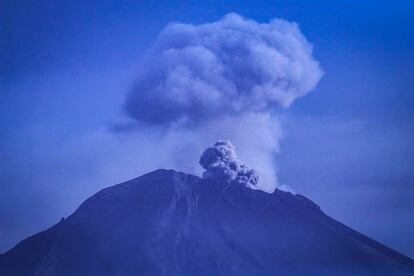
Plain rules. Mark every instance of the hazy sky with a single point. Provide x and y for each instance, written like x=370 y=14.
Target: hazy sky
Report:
x=66 y=67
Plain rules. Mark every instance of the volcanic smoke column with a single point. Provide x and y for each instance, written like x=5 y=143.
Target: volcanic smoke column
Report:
x=222 y=164
x=223 y=80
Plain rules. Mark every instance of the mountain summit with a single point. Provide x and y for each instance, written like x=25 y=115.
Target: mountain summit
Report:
x=171 y=223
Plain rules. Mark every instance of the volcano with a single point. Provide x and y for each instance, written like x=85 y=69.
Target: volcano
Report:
x=171 y=223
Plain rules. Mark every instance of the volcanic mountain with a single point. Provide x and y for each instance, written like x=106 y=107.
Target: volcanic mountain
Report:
x=171 y=223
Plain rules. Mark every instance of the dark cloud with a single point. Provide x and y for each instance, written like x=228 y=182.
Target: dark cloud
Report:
x=221 y=163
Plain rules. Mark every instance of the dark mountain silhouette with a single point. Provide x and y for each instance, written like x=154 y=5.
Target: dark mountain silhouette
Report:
x=171 y=223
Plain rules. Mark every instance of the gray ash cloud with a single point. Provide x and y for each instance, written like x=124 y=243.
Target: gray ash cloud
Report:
x=222 y=164
x=197 y=73
x=222 y=80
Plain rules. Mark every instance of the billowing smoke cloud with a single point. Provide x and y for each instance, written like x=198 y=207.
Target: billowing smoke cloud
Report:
x=221 y=163
x=201 y=81
x=204 y=72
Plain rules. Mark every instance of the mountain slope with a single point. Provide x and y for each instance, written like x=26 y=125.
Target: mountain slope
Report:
x=169 y=223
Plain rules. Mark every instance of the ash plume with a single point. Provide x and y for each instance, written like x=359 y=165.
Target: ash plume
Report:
x=223 y=80
x=221 y=163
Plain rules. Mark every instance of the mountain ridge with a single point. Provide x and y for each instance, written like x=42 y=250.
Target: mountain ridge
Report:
x=168 y=222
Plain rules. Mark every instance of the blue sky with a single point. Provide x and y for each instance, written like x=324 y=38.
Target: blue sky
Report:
x=67 y=66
